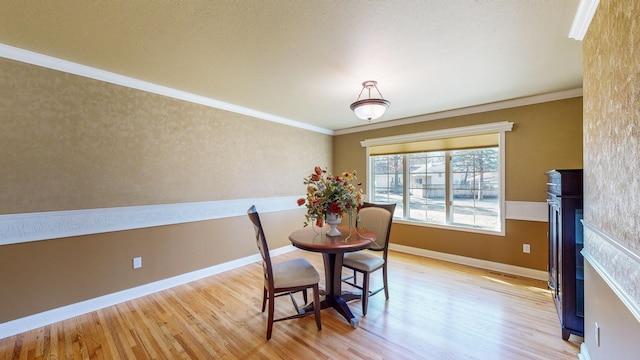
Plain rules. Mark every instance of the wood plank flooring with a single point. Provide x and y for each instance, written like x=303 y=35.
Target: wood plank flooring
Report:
x=437 y=310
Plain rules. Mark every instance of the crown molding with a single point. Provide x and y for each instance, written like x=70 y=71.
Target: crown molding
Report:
x=49 y=62
x=33 y=58
x=582 y=19
x=524 y=101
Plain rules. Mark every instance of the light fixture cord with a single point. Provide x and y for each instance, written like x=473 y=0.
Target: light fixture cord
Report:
x=358 y=99
x=369 y=89
x=379 y=93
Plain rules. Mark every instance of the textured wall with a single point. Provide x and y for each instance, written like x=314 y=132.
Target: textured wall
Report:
x=612 y=185
x=612 y=121
x=68 y=142
x=544 y=136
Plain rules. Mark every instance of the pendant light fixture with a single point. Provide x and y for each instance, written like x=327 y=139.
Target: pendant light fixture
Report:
x=371 y=108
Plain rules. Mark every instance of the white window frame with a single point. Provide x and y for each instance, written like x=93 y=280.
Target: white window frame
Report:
x=499 y=128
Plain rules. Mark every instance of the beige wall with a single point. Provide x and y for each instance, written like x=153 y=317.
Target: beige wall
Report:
x=619 y=331
x=68 y=142
x=77 y=143
x=612 y=188
x=43 y=275
x=544 y=137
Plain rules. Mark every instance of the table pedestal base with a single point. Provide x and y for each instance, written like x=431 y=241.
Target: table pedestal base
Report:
x=333 y=281
x=333 y=249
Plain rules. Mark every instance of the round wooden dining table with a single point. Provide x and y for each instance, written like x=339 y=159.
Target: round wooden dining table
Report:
x=333 y=249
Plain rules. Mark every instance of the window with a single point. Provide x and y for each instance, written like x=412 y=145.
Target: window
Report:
x=438 y=179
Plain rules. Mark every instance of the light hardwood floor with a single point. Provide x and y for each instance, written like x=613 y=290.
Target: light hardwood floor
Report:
x=437 y=310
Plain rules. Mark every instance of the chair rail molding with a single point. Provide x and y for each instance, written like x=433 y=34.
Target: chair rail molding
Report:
x=19 y=228
x=617 y=265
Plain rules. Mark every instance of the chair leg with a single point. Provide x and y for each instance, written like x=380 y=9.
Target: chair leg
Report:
x=264 y=299
x=316 y=305
x=365 y=292
x=304 y=296
x=384 y=280
x=355 y=278
x=270 y=316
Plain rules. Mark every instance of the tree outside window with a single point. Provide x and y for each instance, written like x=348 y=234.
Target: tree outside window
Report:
x=457 y=187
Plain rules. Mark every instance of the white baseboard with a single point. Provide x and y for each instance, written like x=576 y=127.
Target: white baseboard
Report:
x=483 y=264
x=584 y=354
x=45 y=318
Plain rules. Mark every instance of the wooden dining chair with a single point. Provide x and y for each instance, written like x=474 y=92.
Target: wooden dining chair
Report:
x=378 y=219
x=284 y=278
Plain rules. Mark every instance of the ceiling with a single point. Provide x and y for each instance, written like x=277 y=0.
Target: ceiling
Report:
x=305 y=61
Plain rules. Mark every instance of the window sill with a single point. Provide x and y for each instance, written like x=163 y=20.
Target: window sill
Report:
x=450 y=227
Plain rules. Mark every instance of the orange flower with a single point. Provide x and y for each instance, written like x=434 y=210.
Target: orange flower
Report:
x=318 y=170
x=301 y=201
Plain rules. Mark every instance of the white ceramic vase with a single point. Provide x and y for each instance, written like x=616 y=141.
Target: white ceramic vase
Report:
x=333 y=220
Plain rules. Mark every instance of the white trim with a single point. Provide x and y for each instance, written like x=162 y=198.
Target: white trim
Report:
x=482 y=264
x=488 y=128
x=35 y=321
x=31 y=322
x=503 y=183
x=527 y=210
x=582 y=19
x=584 y=353
x=609 y=258
x=19 y=228
x=452 y=227
x=50 y=62
x=499 y=127
x=500 y=105
x=30 y=57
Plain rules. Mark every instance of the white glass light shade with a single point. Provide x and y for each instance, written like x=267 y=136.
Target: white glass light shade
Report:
x=370 y=109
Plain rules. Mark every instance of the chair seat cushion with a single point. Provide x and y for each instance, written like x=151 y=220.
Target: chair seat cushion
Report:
x=363 y=261
x=296 y=272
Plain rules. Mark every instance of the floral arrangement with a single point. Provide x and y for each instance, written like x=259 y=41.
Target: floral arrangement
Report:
x=330 y=194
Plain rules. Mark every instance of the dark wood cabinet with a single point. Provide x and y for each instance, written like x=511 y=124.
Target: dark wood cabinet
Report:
x=566 y=265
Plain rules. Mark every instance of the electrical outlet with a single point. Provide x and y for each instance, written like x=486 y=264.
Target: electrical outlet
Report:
x=526 y=248
x=596 y=334
x=137 y=262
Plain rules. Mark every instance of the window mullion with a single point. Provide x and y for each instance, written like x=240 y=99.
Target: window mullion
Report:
x=448 y=192
x=406 y=183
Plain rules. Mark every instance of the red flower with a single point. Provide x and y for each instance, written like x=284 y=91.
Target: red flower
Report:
x=334 y=208
x=329 y=194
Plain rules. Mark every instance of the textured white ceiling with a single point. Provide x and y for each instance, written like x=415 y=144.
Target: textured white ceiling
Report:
x=305 y=60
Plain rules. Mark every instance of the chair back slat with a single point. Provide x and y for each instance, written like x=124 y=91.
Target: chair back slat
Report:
x=261 y=241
